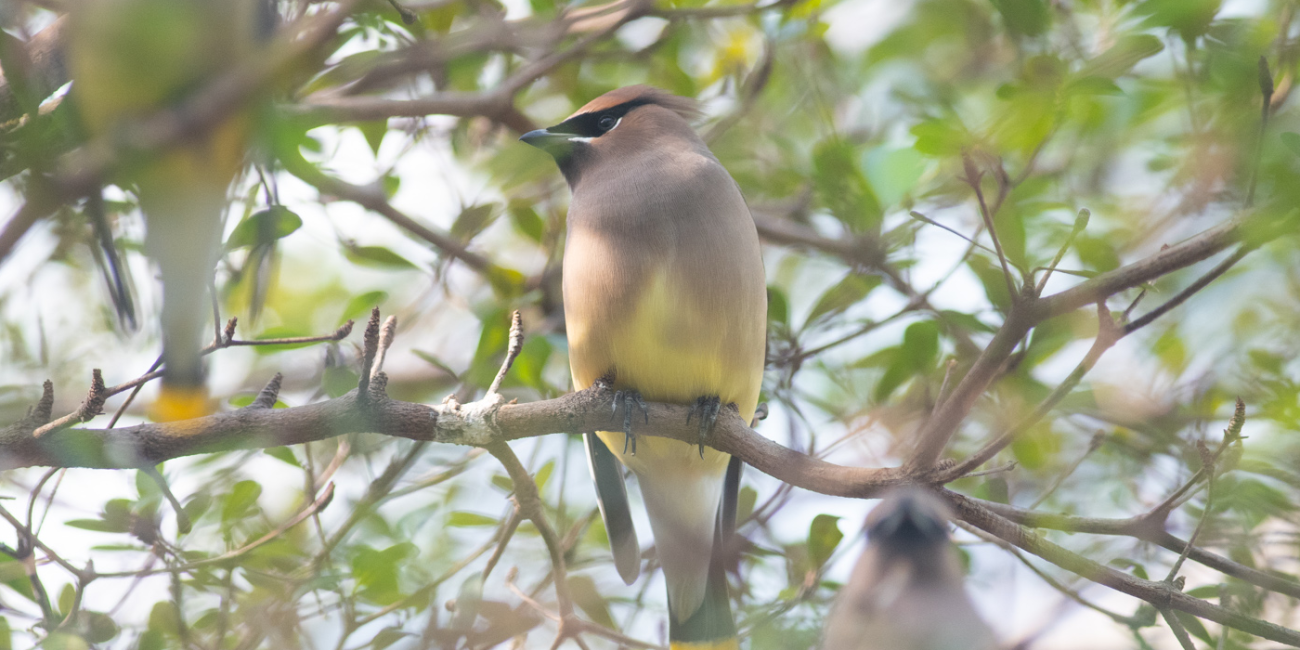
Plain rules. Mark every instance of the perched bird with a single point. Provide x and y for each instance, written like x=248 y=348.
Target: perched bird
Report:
x=906 y=590
x=665 y=300
x=131 y=59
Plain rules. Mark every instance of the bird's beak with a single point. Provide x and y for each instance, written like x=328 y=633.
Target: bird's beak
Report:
x=556 y=144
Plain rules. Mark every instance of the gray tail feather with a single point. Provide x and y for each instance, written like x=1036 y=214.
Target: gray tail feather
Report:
x=611 y=496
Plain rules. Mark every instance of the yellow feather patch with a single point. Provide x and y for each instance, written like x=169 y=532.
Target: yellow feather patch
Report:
x=181 y=403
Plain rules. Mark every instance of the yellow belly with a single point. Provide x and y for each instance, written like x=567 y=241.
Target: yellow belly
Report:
x=669 y=351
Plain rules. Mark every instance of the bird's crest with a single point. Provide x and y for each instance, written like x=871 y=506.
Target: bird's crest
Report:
x=641 y=95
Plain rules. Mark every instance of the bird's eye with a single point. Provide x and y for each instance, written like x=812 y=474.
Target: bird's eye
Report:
x=608 y=122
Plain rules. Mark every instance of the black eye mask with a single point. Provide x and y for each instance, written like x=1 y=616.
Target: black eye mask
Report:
x=595 y=123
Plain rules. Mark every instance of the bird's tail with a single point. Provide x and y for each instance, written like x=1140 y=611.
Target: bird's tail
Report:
x=711 y=627
x=184 y=393
x=183 y=240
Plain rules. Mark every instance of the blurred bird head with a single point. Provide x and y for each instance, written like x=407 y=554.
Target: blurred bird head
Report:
x=908 y=519
x=617 y=126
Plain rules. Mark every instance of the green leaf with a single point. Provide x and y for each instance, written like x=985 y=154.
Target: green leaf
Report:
x=917 y=354
x=994 y=280
x=338 y=380
x=473 y=219
x=391 y=183
x=586 y=596
x=531 y=364
x=893 y=172
x=842 y=295
x=1097 y=253
x=64 y=641
x=97 y=525
x=99 y=627
x=1191 y=18
x=67 y=598
x=1119 y=58
x=151 y=640
x=264 y=227
x=1292 y=142
x=461 y=518
x=6 y=635
x=377 y=257
x=823 y=536
x=543 y=475
x=374 y=133
x=778 y=309
x=163 y=619
x=921 y=345
x=842 y=187
x=491 y=348
x=1035 y=448
x=279 y=332
x=745 y=503
x=1194 y=626
x=940 y=138
x=376 y=572
x=527 y=221
x=503 y=483
x=14 y=576
x=1024 y=17
x=197 y=505
x=506 y=282
x=1137 y=569
x=240 y=501
x=1093 y=86
x=283 y=454
x=362 y=304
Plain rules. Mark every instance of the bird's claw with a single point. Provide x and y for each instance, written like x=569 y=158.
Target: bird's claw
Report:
x=707 y=408
x=630 y=399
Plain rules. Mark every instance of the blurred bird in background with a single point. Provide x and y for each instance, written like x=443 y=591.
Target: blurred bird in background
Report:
x=131 y=59
x=906 y=592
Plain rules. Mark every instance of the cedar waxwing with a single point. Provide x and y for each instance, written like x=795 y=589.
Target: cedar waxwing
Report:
x=131 y=59
x=664 y=299
x=906 y=590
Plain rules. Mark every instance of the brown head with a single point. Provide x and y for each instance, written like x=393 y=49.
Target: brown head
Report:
x=617 y=126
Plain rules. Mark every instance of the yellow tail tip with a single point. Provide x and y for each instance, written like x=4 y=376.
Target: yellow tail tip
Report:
x=181 y=403
x=729 y=643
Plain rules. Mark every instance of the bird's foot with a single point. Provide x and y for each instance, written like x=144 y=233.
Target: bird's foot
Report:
x=707 y=409
x=630 y=399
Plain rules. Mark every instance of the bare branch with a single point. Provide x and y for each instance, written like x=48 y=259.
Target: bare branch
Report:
x=1145 y=270
x=1160 y=594
x=93 y=404
x=1108 y=334
x=512 y=351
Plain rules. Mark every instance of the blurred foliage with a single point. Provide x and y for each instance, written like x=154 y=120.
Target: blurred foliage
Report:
x=837 y=118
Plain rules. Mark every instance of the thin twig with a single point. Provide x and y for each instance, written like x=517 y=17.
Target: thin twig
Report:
x=1080 y=223
x=183 y=525
x=1265 y=109
x=516 y=345
x=1180 y=632
x=1093 y=445
x=927 y=220
x=973 y=179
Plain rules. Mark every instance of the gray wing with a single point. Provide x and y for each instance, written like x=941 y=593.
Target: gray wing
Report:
x=611 y=496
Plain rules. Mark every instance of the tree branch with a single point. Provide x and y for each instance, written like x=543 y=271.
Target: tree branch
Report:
x=1160 y=594
x=1175 y=257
